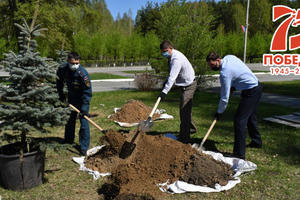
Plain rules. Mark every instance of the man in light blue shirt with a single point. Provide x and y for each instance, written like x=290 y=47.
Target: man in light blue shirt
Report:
x=181 y=73
x=235 y=75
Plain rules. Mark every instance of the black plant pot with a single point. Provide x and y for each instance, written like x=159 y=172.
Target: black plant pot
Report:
x=17 y=176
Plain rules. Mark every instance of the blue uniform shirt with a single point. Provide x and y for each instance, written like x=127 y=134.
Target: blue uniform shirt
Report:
x=234 y=73
x=78 y=84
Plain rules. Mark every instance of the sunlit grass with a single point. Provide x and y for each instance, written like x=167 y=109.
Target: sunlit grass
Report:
x=277 y=175
x=290 y=88
x=97 y=76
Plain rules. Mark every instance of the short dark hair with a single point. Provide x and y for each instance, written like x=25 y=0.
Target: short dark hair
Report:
x=165 y=44
x=74 y=55
x=212 y=56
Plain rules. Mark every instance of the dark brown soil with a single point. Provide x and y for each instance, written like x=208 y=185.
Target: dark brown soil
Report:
x=133 y=112
x=156 y=159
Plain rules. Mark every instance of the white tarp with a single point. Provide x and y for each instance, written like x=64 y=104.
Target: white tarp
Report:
x=80 y=161
x=161 y=112
x=239 y=166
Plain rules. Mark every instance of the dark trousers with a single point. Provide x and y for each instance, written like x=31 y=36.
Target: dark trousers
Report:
x=186 y=121
x=246 y=115
x=84 y=131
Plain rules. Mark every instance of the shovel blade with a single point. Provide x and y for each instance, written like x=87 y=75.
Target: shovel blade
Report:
x=145 y=125
x=126 y=149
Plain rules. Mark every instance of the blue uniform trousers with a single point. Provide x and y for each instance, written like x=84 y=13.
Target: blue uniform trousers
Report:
x=246 y=115
x=84 y=132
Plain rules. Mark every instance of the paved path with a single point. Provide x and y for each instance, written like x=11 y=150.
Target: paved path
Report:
x=270 y=98
x=128 y=84
x=113 y=84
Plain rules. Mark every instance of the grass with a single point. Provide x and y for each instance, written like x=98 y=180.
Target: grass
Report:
x=277 y=175
x=290 y=88
x=3 y=81
x=138 y=71
x=97 y=76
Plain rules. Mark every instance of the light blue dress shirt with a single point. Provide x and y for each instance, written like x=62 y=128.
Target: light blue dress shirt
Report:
x=234 y=73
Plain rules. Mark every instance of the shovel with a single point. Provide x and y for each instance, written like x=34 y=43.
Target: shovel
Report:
x=146 y=125
x=207 y=134
x=143 y=126
x=87 y=118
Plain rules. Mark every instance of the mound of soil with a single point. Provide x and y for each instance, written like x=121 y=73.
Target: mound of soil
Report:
x=156 y=159
x=133 y=112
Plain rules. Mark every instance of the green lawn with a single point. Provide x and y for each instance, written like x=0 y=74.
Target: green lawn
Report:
x=277 y=175
x=3 y=81
x=97 y=76
x=138 y=71
x=290 y=88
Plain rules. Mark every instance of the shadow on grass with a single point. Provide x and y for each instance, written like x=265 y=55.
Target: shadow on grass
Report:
x=209 y=145
x=112 y=191
x=284 y=143
x=109 y=191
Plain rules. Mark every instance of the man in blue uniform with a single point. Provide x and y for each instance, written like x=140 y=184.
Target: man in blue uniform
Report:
x=79 y=95
x=235 y=75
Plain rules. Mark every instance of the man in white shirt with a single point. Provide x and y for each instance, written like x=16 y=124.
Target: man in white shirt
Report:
x=181 y=73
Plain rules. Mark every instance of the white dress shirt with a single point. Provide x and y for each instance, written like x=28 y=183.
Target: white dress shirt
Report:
x=181 y=71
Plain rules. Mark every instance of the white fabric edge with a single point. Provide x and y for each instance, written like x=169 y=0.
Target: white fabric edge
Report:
x=162 y=116
x=239 y=166
x=80 y=161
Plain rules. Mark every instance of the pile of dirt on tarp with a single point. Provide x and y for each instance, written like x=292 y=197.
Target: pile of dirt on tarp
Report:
x=156 y=159
x=133 y=112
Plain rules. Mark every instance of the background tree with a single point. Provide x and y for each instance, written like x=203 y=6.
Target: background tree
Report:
x=187 y=26
x=193 y=27
x=260 y=17
x=146 y=18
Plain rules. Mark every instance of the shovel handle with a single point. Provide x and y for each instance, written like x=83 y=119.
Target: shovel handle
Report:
x=208 y=132
x=155 y=106
x=86 y=117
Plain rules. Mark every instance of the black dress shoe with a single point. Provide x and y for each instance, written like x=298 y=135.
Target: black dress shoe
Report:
x=83 y=152
x=226 y=154
x=238 y=156
x=67 y=142
x=254 y=145
x=184 y=140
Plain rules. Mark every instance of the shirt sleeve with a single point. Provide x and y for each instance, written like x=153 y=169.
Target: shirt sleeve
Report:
x=174 y=71
x=60 y=83
x=225 y=92
x=86 y=93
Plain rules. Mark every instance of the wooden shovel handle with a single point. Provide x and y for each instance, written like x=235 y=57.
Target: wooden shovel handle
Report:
x=86 y=117
x=208 y=132
x=155 y=106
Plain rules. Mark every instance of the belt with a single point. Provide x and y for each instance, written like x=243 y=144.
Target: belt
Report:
x=184 y=87
x=252 y=88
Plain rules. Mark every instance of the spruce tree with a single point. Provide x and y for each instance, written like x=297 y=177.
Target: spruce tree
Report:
x=29 y=101
x=62 y=55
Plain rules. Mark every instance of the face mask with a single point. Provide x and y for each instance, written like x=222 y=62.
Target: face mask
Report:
x=216 y=68
x=73 y=67
x=165 y=54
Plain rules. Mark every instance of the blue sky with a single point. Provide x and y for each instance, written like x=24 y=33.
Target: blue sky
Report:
x=122 y=6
